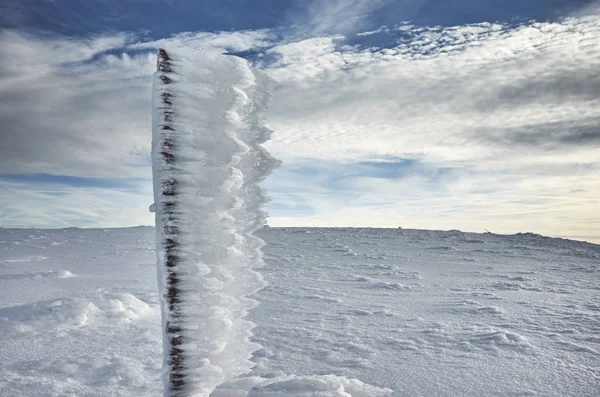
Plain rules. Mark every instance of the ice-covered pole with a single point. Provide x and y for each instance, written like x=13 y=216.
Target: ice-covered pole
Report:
x=207 y=162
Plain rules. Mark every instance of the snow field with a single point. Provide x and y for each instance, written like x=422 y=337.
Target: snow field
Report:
x=94 y=333
x=432 y=313
x=494 y=315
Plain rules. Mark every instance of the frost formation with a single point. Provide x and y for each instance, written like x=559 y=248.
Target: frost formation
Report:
x=207 y=163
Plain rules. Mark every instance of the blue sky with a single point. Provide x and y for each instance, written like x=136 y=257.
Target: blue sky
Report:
x=466 y=115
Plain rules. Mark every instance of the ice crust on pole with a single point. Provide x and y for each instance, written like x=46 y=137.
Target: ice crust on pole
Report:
x=207 y=163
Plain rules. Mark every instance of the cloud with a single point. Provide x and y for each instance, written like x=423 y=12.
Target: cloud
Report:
x=82 y=107
x=235 y=41
x=77 y=113
x=72 y=107
x=47 y=204
x=338 y=16
x=437 y=92
x=478 y=126
x=561 y=203
x=512 y=111
x=66 y=180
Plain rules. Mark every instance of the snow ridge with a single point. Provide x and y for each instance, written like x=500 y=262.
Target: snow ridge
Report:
x=207 y=163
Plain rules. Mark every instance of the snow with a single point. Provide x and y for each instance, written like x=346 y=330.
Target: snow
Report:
x=422 y=313
x=207 y=163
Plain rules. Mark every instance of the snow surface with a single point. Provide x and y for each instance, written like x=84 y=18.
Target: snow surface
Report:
x=424 y=313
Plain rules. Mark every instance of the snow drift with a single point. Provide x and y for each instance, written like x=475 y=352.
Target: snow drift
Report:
x=490 y=315
x=207 y=163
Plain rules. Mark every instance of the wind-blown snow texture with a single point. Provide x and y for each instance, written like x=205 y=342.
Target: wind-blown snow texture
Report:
x=425 y=313
x=207 y=163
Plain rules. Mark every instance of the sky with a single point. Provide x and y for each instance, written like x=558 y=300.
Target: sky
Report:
x=471 y=115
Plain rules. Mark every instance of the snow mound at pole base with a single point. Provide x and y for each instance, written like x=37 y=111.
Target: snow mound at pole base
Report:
x=299 y=386
x=207 y=163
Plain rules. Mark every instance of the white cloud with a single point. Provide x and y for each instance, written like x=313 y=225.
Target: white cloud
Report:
x=53 y=205
x=234 y=41
x=22 y=50
x=557 y=205
x=82 y=107
x=63 y=114
x=340 y=16
x=513 y=112
x=446 y=95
